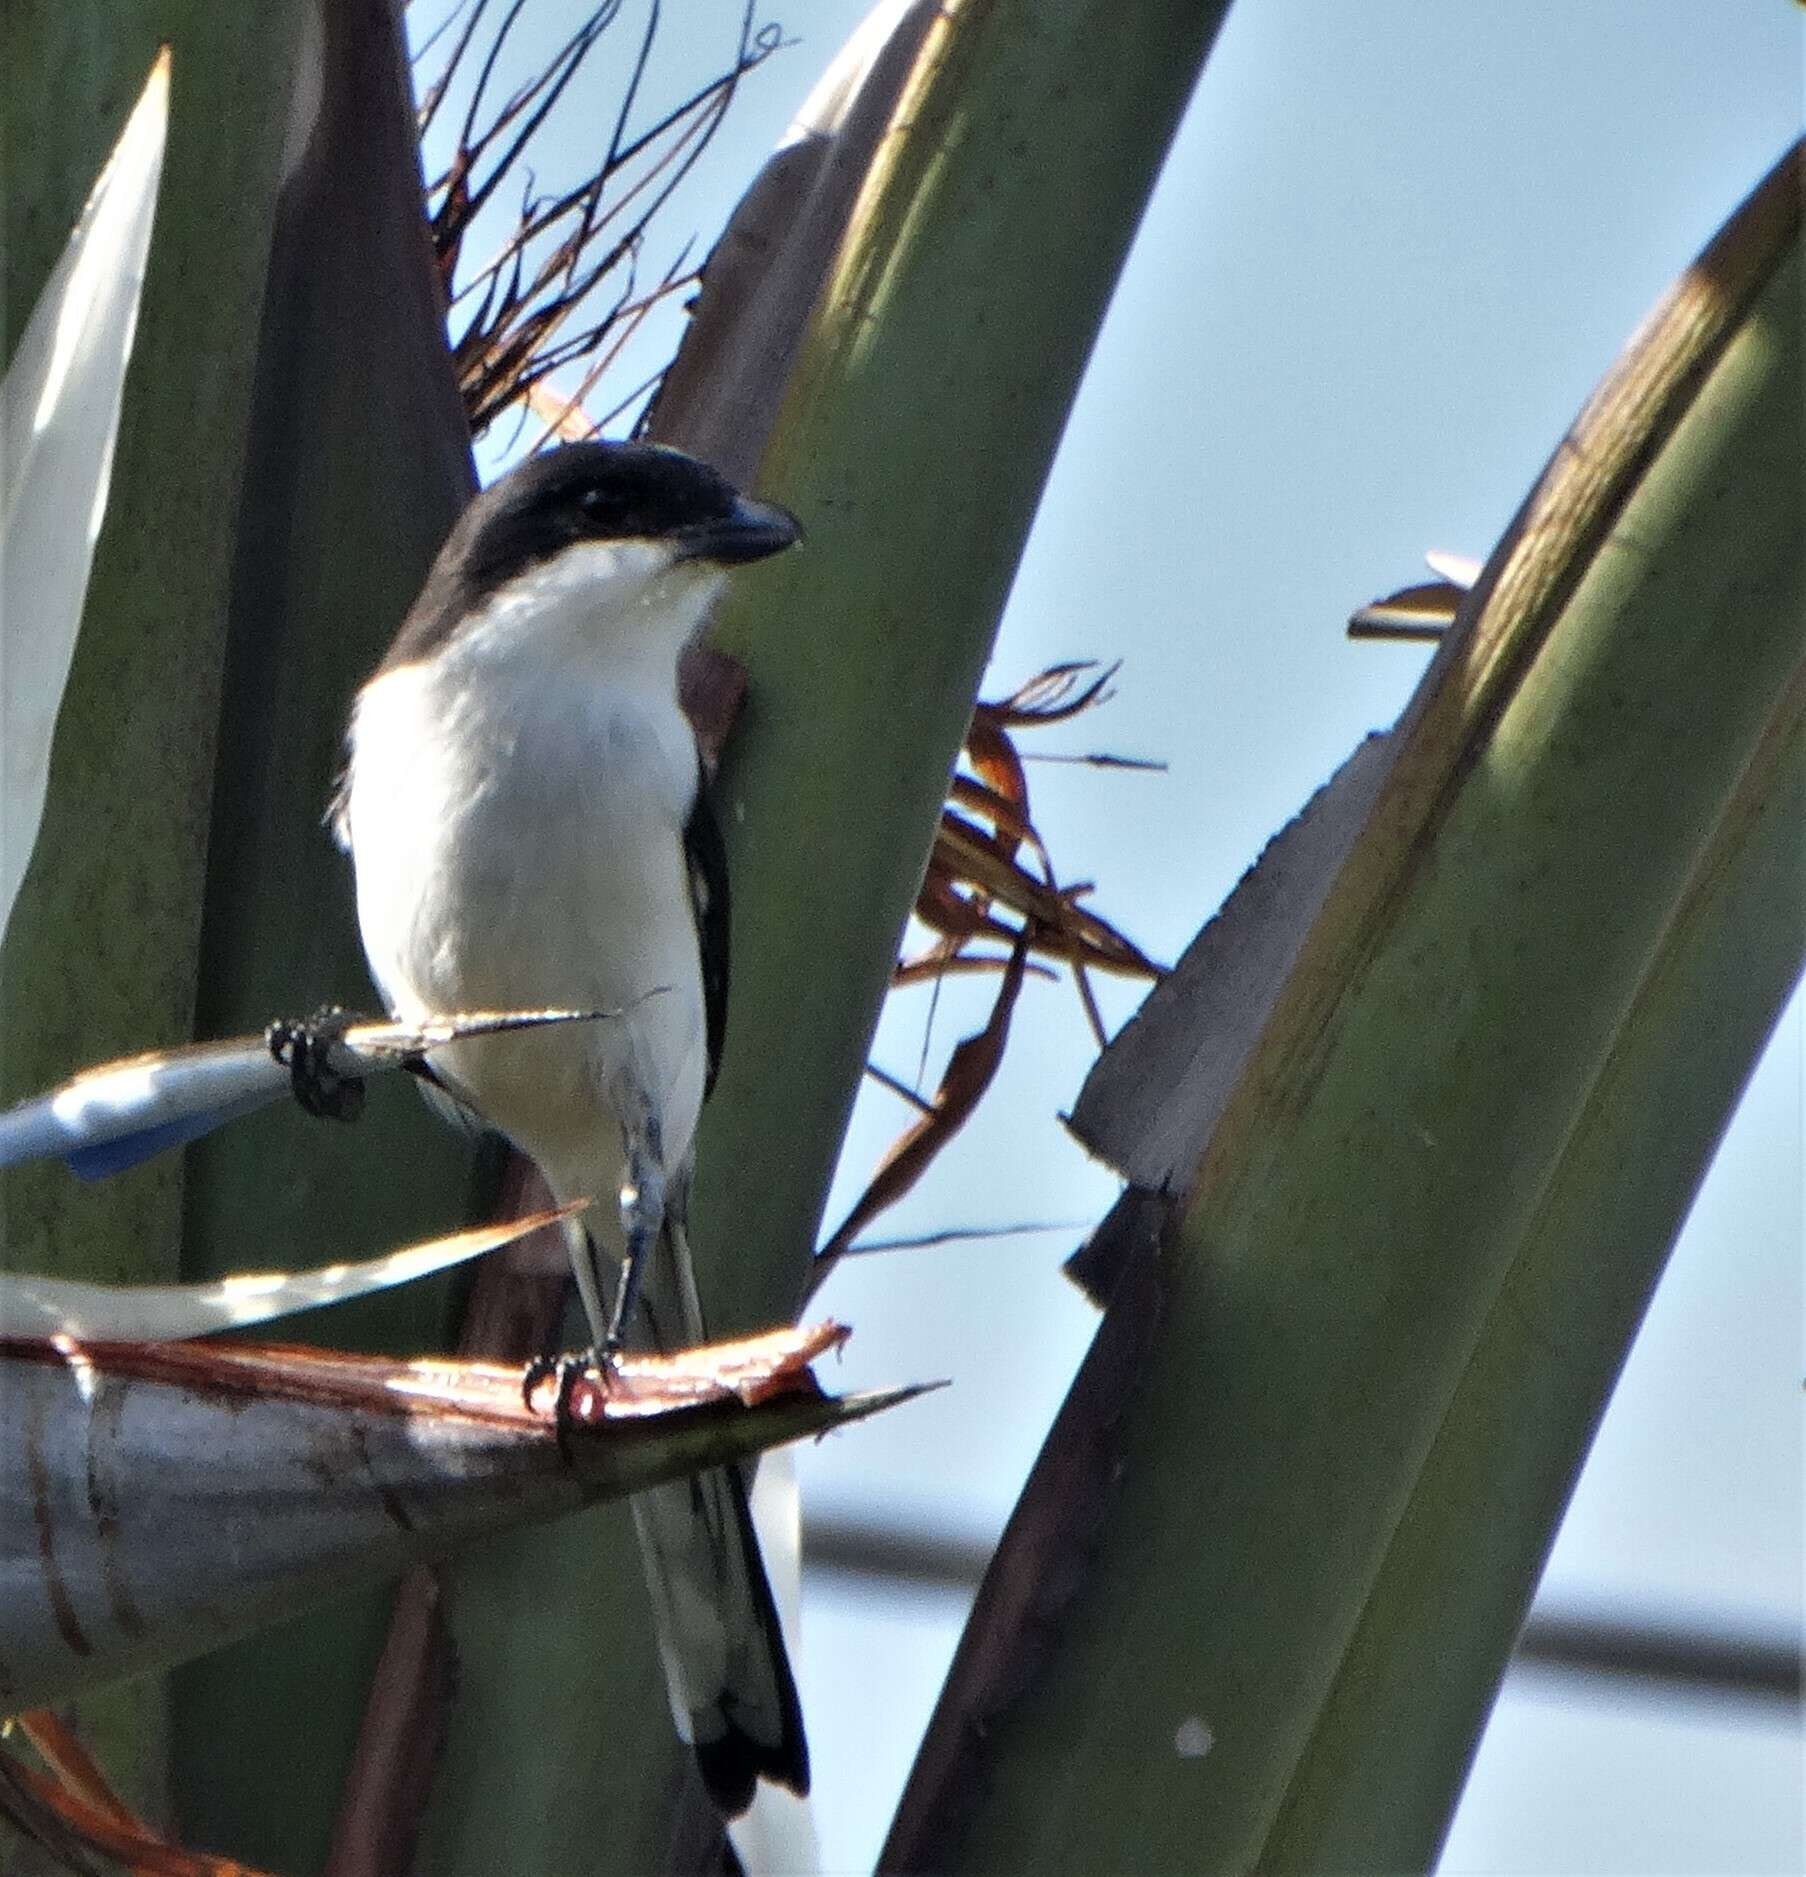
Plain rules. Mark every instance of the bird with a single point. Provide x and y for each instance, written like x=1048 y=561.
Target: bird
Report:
x=522 y=803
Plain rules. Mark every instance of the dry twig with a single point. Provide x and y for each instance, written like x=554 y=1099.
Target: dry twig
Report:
x=991 y=878
x=563 y=287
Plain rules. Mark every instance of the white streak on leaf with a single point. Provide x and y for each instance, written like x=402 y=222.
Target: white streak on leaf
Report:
x=59 y=418
x=32 y=1306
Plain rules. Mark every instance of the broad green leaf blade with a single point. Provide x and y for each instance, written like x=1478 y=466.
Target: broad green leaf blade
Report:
x=915 y=436
x=1417 y=1681
x=99 y=953
x=351 y=467
x=59 y=418
x=1442 y=1183
x=185 y=1494
x=153 y=1313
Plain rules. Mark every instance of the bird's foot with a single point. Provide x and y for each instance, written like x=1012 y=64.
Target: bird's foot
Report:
x=303 y=1045
x=583 y=1378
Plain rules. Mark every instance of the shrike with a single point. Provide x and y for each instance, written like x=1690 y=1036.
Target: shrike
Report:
x=522 y=805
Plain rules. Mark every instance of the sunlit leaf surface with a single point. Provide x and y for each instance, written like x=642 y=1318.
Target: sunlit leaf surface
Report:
x=59 y=415
x=33 y=1306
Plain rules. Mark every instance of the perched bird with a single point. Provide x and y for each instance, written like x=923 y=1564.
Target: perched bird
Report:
x=522 y=804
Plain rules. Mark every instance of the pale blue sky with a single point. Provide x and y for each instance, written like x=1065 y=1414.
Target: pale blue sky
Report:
x=1394 y=248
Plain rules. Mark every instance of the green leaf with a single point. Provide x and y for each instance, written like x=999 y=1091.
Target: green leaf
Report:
x=1330 y=1431
x=353 y=461
x=914 y=440
x=100 y=950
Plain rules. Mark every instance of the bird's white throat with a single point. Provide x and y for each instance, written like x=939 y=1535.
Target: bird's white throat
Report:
x=623 y=606
x=577 y=646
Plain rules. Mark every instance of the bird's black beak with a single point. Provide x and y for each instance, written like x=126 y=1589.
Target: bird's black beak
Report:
x=749 y=531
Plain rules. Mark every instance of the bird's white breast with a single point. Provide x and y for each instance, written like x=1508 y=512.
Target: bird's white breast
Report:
x=515 y=807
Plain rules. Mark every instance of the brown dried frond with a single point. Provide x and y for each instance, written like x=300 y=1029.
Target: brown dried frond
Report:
x=70 y=1809
x=971 y=1068
x=563 y=284
x=978 y=869
x=991 y=881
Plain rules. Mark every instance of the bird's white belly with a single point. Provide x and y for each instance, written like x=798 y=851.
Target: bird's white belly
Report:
x=528 y=854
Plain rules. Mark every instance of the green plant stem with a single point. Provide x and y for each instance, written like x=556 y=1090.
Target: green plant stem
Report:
x=914 y=441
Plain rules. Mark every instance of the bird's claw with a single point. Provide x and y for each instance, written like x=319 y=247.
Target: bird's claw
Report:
x=303 y=1046
x=541 y=1369
x=594 y=1368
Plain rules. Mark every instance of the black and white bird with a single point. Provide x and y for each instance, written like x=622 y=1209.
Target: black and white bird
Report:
x=522 y=803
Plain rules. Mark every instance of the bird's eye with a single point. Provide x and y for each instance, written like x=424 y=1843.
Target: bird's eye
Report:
x=601 y=504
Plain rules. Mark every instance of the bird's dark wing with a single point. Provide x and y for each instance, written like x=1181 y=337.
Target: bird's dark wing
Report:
x=706 y=856
x=448 y=1102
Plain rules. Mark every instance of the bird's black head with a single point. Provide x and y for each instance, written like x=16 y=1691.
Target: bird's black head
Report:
x=588 y=493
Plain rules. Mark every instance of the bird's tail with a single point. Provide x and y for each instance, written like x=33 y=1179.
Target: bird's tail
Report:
x=733 y=1696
